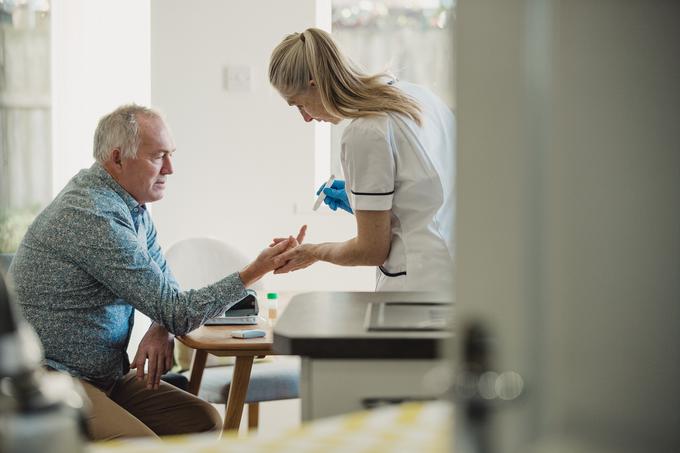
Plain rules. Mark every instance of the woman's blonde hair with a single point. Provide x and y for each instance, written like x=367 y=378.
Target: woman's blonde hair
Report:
x=346 y=91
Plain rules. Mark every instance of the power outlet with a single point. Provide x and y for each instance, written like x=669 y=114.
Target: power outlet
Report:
x=236 y=79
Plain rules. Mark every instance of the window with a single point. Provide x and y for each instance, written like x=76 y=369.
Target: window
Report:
x=25 y=121
x=412 y=39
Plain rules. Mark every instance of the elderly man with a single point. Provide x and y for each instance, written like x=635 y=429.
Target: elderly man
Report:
x=91 y=258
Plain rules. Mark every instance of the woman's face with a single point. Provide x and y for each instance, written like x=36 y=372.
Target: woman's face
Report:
x=310 y=106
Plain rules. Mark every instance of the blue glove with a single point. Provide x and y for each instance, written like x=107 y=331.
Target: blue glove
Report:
x=336 y=197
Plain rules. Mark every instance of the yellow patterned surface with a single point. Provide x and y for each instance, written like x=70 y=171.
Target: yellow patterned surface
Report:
x=412 y=427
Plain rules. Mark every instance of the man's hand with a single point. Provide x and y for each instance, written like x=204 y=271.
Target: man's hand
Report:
x=266 y=261
x=157 y=346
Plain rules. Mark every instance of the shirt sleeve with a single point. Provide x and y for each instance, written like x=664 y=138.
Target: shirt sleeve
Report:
x=369 y=168
x=107 y=246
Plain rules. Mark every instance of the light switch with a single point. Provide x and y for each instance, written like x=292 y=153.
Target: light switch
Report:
x=236 y=78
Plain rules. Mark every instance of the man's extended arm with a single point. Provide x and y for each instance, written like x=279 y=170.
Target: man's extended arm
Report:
x=108 y=247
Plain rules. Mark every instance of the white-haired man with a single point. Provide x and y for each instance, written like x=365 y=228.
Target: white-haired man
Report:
x=91 y=258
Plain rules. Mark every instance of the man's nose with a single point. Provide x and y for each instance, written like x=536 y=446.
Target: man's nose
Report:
x=306 y=117
x=166 y=169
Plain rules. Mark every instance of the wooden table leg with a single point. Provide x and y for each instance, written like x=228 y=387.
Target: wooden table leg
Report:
x=253 y=416
x=237 y=392
x=197 y=367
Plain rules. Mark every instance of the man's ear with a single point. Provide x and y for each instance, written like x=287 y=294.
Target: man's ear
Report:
x=116 y=157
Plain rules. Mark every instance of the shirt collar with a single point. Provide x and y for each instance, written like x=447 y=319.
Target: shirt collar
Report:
x=132 y=204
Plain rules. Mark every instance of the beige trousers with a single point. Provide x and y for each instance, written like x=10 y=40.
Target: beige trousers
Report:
x=129 y=409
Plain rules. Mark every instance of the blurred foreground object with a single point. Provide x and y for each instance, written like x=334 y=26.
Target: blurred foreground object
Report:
x=38 y=411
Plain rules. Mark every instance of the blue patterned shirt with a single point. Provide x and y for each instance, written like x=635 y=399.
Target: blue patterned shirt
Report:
x=87 y=262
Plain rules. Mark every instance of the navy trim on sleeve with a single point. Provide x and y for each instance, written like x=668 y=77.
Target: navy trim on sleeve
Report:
x=375 y=194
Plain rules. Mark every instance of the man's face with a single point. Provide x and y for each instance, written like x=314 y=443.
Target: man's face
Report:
x=144 y=176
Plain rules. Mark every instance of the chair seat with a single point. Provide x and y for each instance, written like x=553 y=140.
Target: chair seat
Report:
x=273 y=378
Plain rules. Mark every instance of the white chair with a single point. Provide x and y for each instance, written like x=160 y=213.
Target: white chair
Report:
x=198 y=262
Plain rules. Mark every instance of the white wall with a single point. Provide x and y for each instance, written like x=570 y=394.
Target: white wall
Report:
x=100 y=59
x=244 y=166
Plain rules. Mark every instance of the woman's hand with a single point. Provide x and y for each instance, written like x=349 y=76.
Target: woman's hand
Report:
x=336 y=196
x=297 y=258
x=294 y=245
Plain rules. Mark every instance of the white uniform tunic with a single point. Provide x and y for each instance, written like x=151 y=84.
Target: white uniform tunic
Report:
x=390 y=163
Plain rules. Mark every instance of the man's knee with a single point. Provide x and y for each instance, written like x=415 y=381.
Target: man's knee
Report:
x=211 y=419
x=198 y=417
x=106 y=420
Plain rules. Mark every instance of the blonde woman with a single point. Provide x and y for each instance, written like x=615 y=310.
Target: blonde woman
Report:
x=397 y=159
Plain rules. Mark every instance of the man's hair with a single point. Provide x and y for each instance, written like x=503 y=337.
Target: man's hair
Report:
x=120 y=129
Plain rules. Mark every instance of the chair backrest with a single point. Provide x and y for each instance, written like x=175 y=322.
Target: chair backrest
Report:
x=198 y=262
